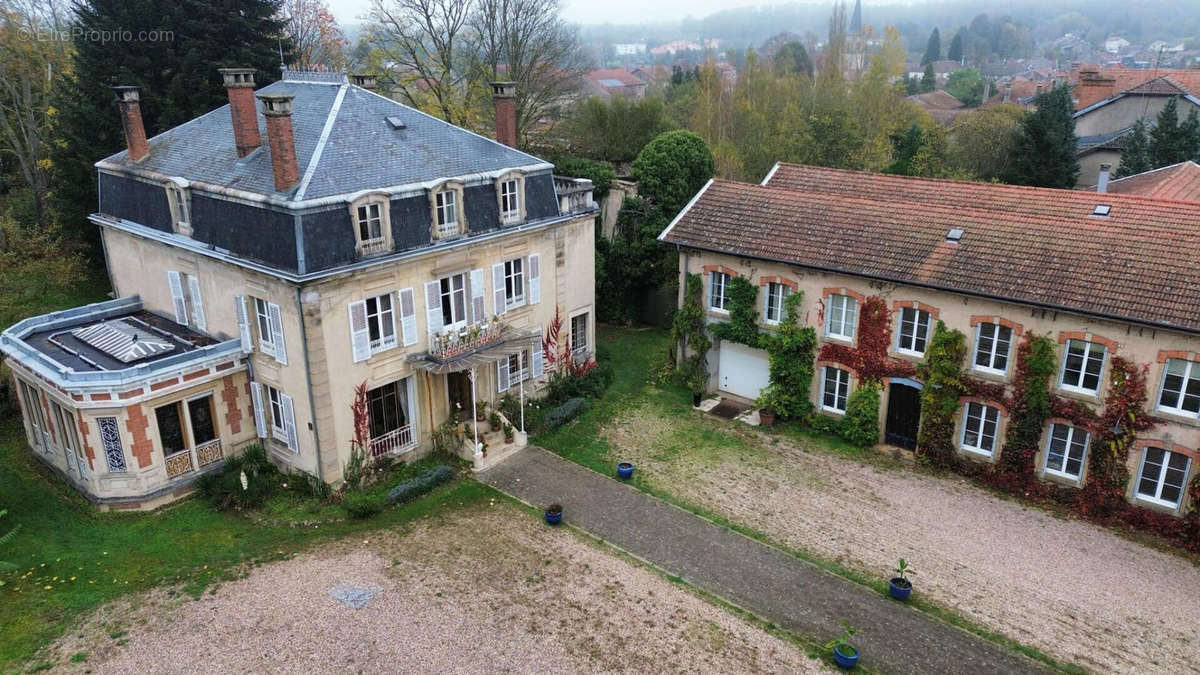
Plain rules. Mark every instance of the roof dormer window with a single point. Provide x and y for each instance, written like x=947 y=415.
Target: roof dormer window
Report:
x=371 y=224
x=179 y=202
x=448 y=218
x=510 y=191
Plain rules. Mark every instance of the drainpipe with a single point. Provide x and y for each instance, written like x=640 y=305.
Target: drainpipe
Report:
x=312 y=402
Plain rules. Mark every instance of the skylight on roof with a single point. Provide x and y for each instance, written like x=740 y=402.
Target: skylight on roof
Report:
x=123 y=341
x=954 y=235
x=1102 y=210
x=395 y=122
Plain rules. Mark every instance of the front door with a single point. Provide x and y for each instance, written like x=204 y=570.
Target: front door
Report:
x=903 y=416
x=458 y=392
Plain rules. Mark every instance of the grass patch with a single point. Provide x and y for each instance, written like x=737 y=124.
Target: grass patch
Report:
x=87 y=558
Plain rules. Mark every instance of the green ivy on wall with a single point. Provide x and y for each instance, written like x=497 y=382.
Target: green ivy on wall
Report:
x=688 y=332
x=742 y=327
x=1029 y=410
x=792 y=350
x=942 y=374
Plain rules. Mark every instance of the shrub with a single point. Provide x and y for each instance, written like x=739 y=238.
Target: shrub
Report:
x=223 y=489
x=415 y=487
x=590 y=384
x=565 y=413
x=860 y=425
x=361 y=504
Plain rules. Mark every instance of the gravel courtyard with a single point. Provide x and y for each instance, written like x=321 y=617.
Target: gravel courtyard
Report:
x=1073 y=590
x=486 y=589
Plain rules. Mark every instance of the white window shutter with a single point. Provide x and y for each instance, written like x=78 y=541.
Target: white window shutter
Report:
x=535 y=279
x=177 y=301
x=536 y=354
x=502 y=383
x=289 y=421
x=260 y=419
x=360 y=334
x=243 y=319
x=498 y=296
x=433 y=309
x=197 y=302
x=275 y=318
x=408 y=317
x=478 y=311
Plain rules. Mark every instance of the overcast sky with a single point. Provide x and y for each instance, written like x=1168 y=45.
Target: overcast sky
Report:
x=599 y=11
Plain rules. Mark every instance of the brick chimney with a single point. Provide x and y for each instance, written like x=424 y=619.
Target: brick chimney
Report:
x=1094 y=87
x=504 y=95
x=128 y=100
x=239 y=83
x=277 y=108
x=365 y=80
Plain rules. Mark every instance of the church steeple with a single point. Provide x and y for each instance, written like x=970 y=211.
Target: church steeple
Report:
x=856 y=18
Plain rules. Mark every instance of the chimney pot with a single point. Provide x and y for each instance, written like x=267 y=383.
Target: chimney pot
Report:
x=129 y=101
x=504 y=96
x=366 y=81
x=277 y=108
x=1102 y=183
x=239 y=84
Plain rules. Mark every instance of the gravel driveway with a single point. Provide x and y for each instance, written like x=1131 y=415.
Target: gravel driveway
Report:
x=485 y=589
x=1076 y=591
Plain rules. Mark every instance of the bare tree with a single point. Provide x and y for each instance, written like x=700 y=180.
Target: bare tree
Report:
x=33 y=52
x=527 y=42
x=834 y=62
x=423 y=46
x=314 y=33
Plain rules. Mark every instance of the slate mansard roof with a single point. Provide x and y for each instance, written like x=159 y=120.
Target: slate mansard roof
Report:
x=343 y=129
x=1034 y=246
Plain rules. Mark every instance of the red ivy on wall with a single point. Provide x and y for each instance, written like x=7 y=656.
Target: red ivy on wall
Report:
x=870 y=360
x=1113 y=432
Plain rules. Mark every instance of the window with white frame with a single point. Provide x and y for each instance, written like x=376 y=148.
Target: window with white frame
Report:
x=579 y=334
x=1162 y=476
x=992 y=344
x=381 y=322
x=718 y=291
x=446 y=212
x=776 y=292
x=454 y=300
x=514 y=283
x=518 y=367
x=835 y=388
x=1065 y=450
x=266 y=337
x=510 y=201
x=277 y=417
x=913 y=332
x=179 y=202
x=841 y=317
x=980 y=423
x=370 y=228
x=1180 y=393
x=1082 y=364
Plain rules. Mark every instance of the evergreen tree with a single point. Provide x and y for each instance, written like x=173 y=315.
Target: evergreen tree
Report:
x=792 y=57
x=906 y=148
x=956 y=48
x=176 y=67
x=1189 y=132
x=928 y=79
x=1168 y=144
x=1043 y=151
x=933 y=48
x=1135 y=156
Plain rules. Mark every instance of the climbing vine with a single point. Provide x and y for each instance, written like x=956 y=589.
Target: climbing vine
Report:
x=742 y=327
x=687 y=331
x=1123 y=417
x=942 y=374
x=1029 y=409
x=870 y=360
x=860 y=425
x=791 y=350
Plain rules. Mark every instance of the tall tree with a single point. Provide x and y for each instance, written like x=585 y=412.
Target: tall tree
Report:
x=928 y=79
x=955 y=52
x=316 y=38
x=527 y=42
x=1135 y=156
x=1170 y=141
x=671 y=169
x=933 y=48
x=616 y=130
x=1190 y=131
x=834 y=58
x=184 y=42
x=980 y=141
x=1043 y=150
x=793 y=57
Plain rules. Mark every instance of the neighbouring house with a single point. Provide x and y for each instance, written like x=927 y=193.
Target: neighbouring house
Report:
x=1017 y=90
x=941 y=70
x=941 y=105
x=270 y=256
x=1107 y=277
x=1115 y=43
x=609 y=83
x=629 y=48
x=677 y=47
x=1178 y=181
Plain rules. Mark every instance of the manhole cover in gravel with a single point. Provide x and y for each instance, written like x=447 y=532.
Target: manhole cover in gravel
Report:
x=354 y=596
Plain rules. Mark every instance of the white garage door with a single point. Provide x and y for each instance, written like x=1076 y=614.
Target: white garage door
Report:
x=743 y=371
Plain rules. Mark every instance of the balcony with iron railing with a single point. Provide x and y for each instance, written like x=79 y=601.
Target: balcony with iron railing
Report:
x=395 y=442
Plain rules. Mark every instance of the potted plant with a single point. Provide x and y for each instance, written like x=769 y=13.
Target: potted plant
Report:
x=900 y=587
x=494 y=420
x=508 y=433
x=844 y=653
x=553 y=514
x=624 y=470
x=766 y=416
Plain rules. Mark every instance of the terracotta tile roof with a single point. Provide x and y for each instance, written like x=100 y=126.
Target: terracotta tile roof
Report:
x=621 y=75
x=938 y=98
x=1030 y=245
x=1179 y=181
x=1119 y=79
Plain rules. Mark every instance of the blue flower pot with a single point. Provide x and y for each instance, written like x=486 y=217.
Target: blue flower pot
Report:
x=625 y=470
x=845 y=659
x=899 y=588
x=552 y=518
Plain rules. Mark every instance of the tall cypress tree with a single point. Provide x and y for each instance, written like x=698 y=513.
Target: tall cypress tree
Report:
x=928 y=79
x=956 y=48
x=1135 y=156
x=176 y=67
x=1167 y=142
x=1189 y=133
x=933 y=48
x=1043 y=151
